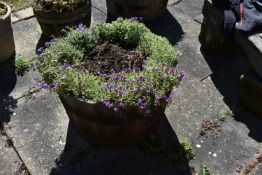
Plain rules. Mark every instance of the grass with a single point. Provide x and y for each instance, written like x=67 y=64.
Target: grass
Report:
x=17 y=4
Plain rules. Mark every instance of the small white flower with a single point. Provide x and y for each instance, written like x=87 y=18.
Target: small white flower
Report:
x=214 y=155
x=198 y=146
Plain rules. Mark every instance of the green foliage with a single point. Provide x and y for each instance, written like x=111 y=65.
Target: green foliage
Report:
x=86 y=86
x=157 y=48
x=122 y=31
x=82 y=40
x=145 y=89
x=22 y=64
x=3 y=10
x=186 y=148
x=203 y=170
x=59 y=6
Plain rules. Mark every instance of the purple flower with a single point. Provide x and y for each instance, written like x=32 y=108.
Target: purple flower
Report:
x=154 y=69
x=81 y=26
x=116 y=109
x=181 y=74
x=141 y=103
x=103 y=75
x=105 y=102
x=55 y=85
x=111 y=105
x=112 y=69
x=120 y=91
x=44 y=85
x=40 y=51
x=139 y=88
x=150 y=91
x=121 y=104
x=136 y=68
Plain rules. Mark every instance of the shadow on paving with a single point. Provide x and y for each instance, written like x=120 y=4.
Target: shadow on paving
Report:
x=166 y=26
x=79 y=157
x=42 y=42
x=8 y=81
x=227 y=69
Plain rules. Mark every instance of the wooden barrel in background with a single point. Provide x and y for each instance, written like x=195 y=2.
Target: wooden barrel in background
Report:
x=53 y=23
x=102 y=127
x=7 y=45
x=147 y=9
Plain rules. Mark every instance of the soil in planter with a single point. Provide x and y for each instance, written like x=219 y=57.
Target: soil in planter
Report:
x=109 y=57
x=3 y=10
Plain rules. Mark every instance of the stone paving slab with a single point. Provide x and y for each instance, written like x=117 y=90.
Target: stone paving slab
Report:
x=9 y=161
x=38 y=128
x=231 y=146
x=22 y=14
x=100 y=6
x=21 y=84
x=26 y=37
x=192 y=59
x=199 y=18
x=98 y=16
x=191 y=8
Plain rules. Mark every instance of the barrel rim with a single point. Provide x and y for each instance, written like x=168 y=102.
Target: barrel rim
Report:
x=136 y=115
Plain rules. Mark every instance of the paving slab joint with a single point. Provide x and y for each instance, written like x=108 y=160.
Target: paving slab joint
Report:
x=10 y=143
x=174 y=2
x=29 y=93
x=99 y=10
x=22 y=14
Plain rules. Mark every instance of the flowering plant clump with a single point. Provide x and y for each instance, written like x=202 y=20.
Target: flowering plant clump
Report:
x=147 y=88
x=59 y=6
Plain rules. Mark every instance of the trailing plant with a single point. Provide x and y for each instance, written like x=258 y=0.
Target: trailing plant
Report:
x=59 y=6
x=145 y=88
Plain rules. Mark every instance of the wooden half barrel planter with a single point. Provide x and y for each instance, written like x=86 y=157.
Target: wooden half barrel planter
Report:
x=147 y=9
x=118 y=103
x=7 y=45
x=100 y=126
x=52 y=23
